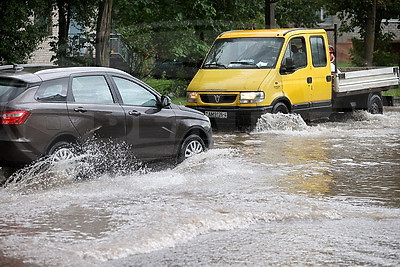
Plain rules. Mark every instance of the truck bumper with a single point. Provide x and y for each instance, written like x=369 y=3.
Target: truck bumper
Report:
x=226 y=117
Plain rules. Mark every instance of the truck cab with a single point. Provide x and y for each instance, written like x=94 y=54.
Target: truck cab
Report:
x=252 y=72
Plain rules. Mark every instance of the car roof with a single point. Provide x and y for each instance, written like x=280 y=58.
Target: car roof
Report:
x=65 y=72
x=53 y=73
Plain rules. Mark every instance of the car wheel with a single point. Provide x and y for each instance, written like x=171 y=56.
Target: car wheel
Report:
x=5 y=173
x=375 y=105
x=280 y=107
x=192 y=145
x=62 y=151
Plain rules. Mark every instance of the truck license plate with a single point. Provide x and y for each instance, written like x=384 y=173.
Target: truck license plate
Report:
x=216 y=114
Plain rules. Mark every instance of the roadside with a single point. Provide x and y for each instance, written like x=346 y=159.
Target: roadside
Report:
x=394 y=94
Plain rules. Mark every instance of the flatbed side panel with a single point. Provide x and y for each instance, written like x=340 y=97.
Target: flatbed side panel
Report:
x=367 y=79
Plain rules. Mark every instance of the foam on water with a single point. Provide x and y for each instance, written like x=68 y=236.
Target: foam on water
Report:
x=129 y=214
x=281 y=122
x=359 y=123
x=118 y=214
x=93 y=160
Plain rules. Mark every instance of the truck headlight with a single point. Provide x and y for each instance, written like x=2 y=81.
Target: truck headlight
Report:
x=251 y=97
x=191 y=97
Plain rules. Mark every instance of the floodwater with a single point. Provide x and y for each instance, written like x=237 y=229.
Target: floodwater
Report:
x=286 y=194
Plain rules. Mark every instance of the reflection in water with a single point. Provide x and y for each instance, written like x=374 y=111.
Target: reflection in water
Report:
x=286 y=194
x=357 y=158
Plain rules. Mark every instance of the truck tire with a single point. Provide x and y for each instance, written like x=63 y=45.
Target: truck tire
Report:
x=375 y=104
x=280 y=107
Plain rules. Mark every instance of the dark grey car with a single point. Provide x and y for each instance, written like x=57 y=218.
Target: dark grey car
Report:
x=44 y=112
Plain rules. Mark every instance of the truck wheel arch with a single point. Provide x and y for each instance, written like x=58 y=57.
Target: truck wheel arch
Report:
x=283 y=100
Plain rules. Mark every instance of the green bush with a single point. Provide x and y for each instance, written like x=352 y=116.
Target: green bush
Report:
x=172 y=88
x=382 y=54
x=393 y=92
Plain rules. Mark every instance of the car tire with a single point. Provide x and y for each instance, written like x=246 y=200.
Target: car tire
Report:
x=62 y=151
x=5 y=173
x=192 y=145
x=280 y=107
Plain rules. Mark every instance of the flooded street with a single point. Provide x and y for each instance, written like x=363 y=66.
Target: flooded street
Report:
x=286 y=194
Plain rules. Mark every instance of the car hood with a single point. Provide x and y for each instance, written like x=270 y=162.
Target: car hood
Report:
x=228 y=80
x=190 y=111
x=187 y=109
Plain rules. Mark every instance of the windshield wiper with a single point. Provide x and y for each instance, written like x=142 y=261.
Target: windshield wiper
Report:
x=216 y=64
x=245 y=63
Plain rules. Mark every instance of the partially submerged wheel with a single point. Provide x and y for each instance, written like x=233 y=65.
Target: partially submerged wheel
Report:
x=375 y=105
x=280 y=107
x=63 y=154
x=61 y=151
x=192 y=145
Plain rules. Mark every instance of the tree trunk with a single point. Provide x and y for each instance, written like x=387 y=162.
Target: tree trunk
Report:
x=269 y=13
x=103 y=30
x=369 y=38
x=63 y=27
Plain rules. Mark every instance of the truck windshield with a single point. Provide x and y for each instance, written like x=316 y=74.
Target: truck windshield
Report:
x=10 y=89
x=244 y=53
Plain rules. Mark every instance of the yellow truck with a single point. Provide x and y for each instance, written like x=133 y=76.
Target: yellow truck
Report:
x=251 y=72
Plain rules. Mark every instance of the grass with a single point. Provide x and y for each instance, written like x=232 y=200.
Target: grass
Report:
x=393 y=92
x=179 y=100
x=165 y=86
x=159 y=84
x=345 y=64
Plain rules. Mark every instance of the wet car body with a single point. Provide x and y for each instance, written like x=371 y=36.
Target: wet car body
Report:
x=44 y=109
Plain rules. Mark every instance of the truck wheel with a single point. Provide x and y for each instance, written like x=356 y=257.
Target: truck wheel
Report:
x=192 y=145
x=375 y=105
x=280 y=107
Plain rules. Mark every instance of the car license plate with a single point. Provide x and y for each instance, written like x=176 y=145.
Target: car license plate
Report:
x=216 y=114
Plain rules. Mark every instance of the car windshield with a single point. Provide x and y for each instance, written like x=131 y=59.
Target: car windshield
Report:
x=240 y=53
x=10 y=89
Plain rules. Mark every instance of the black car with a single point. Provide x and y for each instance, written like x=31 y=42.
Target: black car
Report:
x=46 y=112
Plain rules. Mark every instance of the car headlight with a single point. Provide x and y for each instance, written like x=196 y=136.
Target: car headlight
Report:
x=251 y=97
x=191 y=97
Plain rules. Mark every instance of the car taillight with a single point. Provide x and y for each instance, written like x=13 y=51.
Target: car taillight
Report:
x=14 y=117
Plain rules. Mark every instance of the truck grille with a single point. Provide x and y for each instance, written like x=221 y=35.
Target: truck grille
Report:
x=218 y=99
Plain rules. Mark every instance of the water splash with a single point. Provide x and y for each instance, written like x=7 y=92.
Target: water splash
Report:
x=282 y=122
x=95 y=159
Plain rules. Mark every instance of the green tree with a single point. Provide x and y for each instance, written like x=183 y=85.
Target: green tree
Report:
x=103 y=30
x=179 y=29
x=23 y=25
x=366 y=16
x=298 y=13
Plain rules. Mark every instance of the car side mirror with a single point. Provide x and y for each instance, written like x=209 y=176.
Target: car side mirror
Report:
x=165 y=101
x=288 y=65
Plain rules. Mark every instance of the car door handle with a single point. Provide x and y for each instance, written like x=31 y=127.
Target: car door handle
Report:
x=134 y=113
x=309 y=79
x=80 y=109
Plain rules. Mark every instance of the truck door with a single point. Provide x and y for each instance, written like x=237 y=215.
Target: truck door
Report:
x=296 y=75
x=321 y=88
